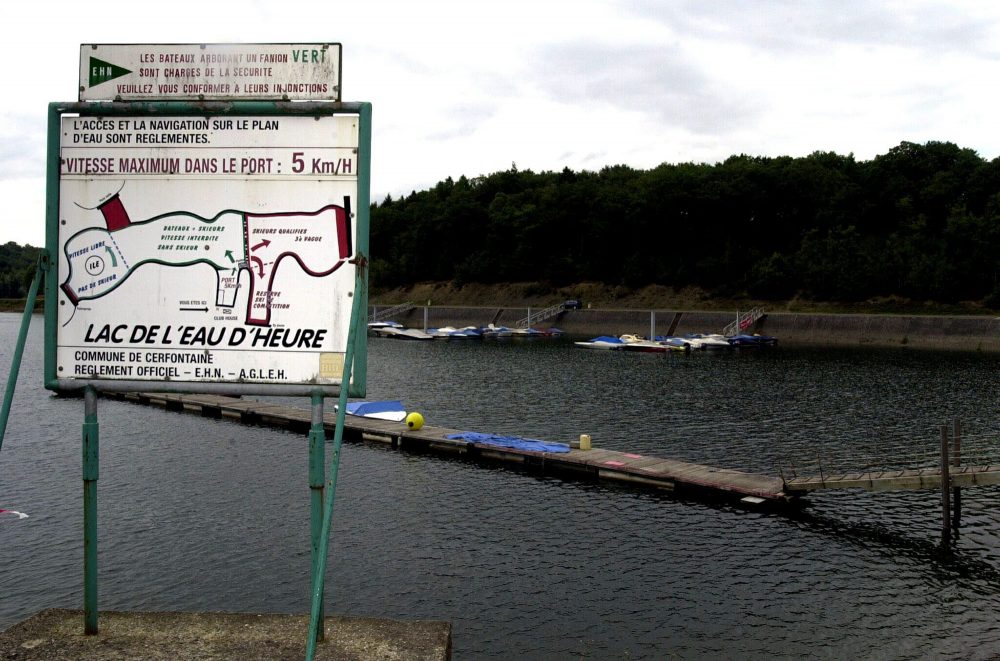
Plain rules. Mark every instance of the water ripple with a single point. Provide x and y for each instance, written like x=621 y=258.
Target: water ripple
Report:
x=200 y=514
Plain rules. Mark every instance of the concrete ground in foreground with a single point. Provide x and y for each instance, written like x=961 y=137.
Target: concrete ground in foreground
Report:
x=57 y=634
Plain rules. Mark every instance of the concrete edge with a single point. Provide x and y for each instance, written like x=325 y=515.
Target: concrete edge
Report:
x=57 y=635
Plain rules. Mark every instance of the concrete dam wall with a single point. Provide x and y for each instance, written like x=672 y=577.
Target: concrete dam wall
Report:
x=970 y=333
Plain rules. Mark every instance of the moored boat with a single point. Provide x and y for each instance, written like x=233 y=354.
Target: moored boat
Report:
x=641 y=344
x=674 y=343
x=710 y=341
x=550 y=332
x=376 y=325
x=753 y=341
x=602 y=342
x=491 y=330
x=402 y=333
x=452 y=333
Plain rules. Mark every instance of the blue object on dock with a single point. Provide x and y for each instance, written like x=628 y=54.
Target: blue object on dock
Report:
x=391 y=409
x=368 y=408
x=515 y=442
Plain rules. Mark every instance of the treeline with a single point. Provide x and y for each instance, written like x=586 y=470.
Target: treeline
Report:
x=17 y=268
x=921 y=221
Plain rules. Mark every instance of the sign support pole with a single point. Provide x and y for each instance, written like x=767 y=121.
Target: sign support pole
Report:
x=91 y=458
x=317 y=480
x=337 y=154
x=319 y=568
x=15 y=365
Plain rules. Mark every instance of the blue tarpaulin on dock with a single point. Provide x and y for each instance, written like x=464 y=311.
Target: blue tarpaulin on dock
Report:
x=515 y=442
x=385 y=410
x=367 y=408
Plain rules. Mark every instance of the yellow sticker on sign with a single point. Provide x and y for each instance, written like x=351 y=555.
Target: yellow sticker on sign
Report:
x=331 y=365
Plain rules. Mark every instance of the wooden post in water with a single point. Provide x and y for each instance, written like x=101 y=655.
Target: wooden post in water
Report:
x=945 y=487
x=956 y=492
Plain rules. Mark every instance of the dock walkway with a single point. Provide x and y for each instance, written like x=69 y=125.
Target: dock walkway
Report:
x=595 y=463
x=894 y=480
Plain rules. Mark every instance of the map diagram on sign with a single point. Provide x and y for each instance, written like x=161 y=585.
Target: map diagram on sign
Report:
x=101 y=258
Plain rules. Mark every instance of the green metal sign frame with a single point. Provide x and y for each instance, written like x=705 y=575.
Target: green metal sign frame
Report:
x=322 y=483
x=358 y=381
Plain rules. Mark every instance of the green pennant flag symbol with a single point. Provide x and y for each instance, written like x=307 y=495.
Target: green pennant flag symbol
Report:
x=102 y=72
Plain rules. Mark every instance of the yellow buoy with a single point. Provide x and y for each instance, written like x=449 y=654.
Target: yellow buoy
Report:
x=414 y=421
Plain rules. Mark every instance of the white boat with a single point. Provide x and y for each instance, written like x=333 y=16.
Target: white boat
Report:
x=452 y=333
x=675 y=343
x=710 y=341
x=491 y=330
x=402 y=333
x=602 y=342
x=695 y=343
x=639 y=343
x=375 y=325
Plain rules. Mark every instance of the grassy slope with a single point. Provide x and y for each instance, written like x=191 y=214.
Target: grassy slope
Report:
x=653 y=297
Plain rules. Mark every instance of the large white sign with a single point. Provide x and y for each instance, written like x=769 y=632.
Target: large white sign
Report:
x=206 y=249
x=143 y=72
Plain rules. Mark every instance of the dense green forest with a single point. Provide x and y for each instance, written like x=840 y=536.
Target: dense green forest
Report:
x=17 y=268
x=921 y=221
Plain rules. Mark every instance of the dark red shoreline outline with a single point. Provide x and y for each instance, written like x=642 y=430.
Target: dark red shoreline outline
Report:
x=343 y=244
x=115 y=215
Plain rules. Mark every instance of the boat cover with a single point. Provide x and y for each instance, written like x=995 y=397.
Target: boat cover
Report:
x=391 y=409
x=515 y=442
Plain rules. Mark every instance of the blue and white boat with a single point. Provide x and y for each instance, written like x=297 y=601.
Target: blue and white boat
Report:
x=401 y=333
x=674 y=343
x=375 y=325
x=452 y=333
x=490 y=330
x=710 y=341
x=641 y=344
x=753 y=341
x=602 y=342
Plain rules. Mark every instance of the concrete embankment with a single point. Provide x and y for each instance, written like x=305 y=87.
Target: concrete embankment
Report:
x=57 y=635
x=971 y=333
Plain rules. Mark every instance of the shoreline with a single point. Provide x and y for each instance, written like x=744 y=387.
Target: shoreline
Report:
x=945 y=332
x=941 y=332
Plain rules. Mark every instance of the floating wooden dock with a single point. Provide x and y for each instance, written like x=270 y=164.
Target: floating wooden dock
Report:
x=894 y=480
x=658 y=472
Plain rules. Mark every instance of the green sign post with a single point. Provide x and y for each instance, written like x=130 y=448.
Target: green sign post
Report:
x=249 y=219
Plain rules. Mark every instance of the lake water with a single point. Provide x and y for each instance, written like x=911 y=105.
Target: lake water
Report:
x=199 y=514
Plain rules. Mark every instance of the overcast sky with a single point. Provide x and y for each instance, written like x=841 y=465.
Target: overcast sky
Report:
x=469 y=87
